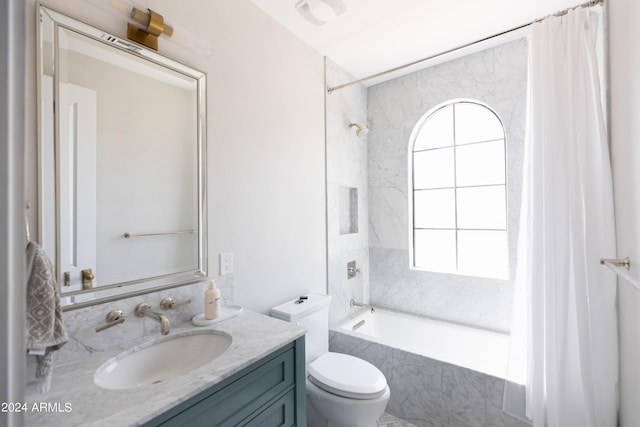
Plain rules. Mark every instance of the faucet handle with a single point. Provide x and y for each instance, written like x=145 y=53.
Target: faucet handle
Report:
x=168 y=303
x=114 y=317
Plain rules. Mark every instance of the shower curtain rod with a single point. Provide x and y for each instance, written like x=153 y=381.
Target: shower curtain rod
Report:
x=331 y=89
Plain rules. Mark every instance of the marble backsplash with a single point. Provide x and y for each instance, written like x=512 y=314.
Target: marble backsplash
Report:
x=81 y=323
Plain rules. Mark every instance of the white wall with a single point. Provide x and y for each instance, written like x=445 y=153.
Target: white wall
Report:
x=265 y=142
x=625 y=133
x=267 y=168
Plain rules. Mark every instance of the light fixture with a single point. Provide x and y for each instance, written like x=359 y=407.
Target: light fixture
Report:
x=360 y=129
x=145 y=26
x=320 y=12
x=149 y=26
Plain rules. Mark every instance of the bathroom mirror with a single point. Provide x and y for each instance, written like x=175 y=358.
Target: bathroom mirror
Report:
x=121 y=164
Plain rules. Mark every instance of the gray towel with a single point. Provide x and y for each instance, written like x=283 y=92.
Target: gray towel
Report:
x=45 y=330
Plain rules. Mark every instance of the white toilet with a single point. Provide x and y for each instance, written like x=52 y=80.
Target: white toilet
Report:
x=342 y=390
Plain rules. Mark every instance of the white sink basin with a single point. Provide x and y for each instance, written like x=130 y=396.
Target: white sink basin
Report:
x=161 y=360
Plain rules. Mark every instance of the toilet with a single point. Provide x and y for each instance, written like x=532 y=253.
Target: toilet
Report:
x=342 y=390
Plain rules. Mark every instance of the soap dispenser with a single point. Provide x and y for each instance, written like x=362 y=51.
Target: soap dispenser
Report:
x=211 y=301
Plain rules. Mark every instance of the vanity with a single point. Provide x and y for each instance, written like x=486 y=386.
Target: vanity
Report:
x=258 y=380
x=261 y=394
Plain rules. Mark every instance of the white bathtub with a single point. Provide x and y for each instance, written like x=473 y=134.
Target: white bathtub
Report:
x=476 y=349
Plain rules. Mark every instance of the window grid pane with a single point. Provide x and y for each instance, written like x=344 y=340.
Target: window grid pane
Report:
x=437 y=131
x=434 y=169
x=482 y=208
x=467 y=237
x=435 y=250
x=480 y=164
x=475 y=122
x=483 y=253
x=434 y=209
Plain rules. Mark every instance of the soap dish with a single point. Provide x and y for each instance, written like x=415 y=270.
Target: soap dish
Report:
x=225 y=313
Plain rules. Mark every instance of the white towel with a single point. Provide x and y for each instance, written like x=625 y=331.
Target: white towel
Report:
x=45 y=330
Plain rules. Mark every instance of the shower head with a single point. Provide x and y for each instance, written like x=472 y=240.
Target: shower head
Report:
x=360 y=129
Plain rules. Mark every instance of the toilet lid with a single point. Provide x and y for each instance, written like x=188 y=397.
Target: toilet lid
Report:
x=347 y=376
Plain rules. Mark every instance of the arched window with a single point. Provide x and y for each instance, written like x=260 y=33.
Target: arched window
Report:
x=457 y=194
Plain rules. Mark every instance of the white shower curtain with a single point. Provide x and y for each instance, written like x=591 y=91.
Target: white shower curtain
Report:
x=564 y=324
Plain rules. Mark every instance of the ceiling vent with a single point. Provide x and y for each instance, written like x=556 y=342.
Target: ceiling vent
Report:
x=320 y=12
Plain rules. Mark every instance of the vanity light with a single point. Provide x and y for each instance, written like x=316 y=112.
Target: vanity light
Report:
x=144 y=26
x=320 y=12
x=151 y=26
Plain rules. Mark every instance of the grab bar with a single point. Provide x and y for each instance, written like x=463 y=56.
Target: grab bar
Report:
x=621 y=267
x=128 y=235
x=357 y=325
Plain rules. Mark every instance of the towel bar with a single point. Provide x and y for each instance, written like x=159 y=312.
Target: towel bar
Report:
x=128 y=235
x=618 y=262
x=620 y=267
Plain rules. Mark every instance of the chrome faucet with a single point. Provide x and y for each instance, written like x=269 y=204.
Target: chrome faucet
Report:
x=144 y=309
x=359 y=304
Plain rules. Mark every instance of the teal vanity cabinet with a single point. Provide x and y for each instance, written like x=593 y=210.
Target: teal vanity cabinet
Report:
x=269 y=393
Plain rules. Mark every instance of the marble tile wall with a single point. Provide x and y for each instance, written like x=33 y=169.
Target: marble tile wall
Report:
x=477 y=301
x=497 y=77
x=346 y=167
x=430 y=393
x=81 y=323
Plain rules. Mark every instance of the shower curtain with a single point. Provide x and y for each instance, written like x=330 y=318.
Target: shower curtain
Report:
x=564 y=324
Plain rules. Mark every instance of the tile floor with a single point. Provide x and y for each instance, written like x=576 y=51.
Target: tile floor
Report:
x=388 y=420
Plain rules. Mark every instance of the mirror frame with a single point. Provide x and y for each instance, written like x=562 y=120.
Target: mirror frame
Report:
x=101 y=294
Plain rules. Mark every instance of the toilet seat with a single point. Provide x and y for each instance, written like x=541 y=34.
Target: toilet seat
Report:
x=347 y=376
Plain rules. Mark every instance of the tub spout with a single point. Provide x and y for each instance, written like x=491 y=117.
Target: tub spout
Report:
x=359 y=304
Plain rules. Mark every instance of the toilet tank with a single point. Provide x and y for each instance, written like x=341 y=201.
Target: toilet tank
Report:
x=312 y=313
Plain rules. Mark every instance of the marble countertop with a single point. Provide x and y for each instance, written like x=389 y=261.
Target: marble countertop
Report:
x=74 y=399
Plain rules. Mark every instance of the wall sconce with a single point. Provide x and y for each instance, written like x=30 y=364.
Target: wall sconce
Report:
x=152 y=25
x=145 y=26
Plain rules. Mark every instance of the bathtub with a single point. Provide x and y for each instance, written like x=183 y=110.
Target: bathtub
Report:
x=440 y=374
x=476 y=349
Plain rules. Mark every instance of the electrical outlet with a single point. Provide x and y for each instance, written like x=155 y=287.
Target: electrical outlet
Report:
x=226 y=263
